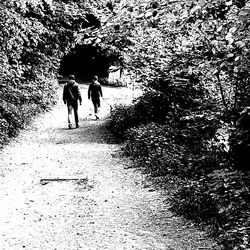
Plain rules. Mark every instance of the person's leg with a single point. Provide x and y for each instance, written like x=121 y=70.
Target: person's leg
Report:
x=97 y=108
x=95 y=103
x=98 y=104
x=70 y=114
x=76 y=114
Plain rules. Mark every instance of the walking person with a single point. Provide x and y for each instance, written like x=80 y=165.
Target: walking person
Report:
x=71 y=95
x=95 y=92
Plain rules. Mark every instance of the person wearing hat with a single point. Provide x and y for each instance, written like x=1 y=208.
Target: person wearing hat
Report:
x=95 y=92
x=71 y=95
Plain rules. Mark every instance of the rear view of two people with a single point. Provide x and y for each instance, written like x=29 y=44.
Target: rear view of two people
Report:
x=71 y=95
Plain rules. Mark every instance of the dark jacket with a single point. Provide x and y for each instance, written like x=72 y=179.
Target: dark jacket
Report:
x=95 y=90
x=71 y=92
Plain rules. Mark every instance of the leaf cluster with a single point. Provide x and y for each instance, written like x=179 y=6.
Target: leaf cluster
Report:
x=196 y=54
x=144 y=110
x=219 y=202
x=34 y=36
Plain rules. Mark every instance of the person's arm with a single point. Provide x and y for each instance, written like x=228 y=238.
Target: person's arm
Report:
x=64 y=94
x=79 y=95
x=89 y=90
x=101 y=90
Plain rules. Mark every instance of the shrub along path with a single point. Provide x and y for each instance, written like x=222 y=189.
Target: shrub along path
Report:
x=97 y=202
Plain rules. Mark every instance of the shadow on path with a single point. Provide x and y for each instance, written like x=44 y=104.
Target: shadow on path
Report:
x=90 y=131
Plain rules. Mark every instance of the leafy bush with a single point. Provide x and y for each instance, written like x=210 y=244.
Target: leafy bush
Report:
x=19 y=104
x=200 y=61
x=183 y=90
x=194 y=202
x=162 y=149
x=122 y=117
x=154 y=147
x=3 y=131
x=34 y=35
x=221 y=202
x=153 y=106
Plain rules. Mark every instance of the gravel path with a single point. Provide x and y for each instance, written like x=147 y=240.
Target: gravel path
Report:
x=97 y=202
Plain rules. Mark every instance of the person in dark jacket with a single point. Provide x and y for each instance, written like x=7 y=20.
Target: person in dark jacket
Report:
x=71 y=95
x=95 y=92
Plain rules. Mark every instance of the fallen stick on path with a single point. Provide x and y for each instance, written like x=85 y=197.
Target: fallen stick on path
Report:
x=45 y=181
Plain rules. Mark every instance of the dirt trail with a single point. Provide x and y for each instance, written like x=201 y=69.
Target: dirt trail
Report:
x=107 y=208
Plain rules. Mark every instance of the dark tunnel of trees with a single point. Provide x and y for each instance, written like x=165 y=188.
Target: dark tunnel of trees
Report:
x=84 y=62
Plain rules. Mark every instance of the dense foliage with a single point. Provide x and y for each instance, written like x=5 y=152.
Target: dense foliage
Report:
x=220 y=200
x=34 y=36
x=195 y=54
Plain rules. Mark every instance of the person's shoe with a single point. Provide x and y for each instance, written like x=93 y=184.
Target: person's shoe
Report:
x=77 y=125
x=70 y=126
x=97 y=117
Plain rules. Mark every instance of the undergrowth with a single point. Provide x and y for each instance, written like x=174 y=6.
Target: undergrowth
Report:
x=30 y=57
x=214 y=191
x=20 y=103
